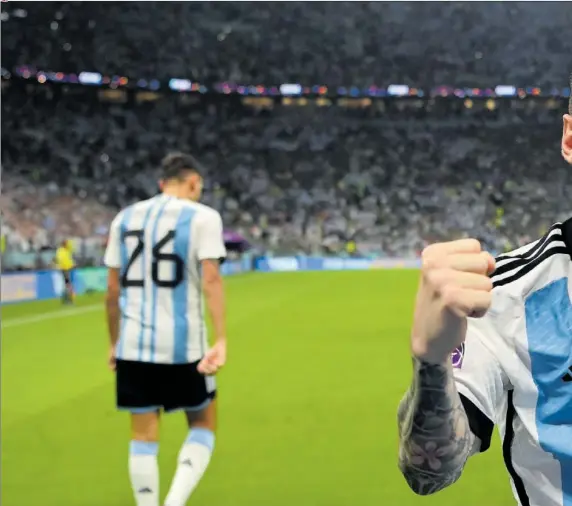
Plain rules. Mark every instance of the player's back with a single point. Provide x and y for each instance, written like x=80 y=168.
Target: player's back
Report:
x=161 y=301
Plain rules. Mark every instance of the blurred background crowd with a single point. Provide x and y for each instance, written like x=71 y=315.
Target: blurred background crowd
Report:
x=315 y=175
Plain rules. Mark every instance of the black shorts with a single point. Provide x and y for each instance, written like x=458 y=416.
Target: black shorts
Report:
x=143 y=387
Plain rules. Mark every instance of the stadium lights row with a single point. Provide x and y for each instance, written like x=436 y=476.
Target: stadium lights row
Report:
x=283 y=90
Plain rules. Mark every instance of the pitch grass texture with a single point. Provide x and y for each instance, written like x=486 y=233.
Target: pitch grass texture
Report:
x=317 y=365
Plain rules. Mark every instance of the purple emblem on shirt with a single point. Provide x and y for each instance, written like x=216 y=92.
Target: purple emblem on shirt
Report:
x=457 y=356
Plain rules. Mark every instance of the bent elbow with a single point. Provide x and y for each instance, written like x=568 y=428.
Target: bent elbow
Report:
x=212 y=283
x=213 y=279
x=424 y=483
x=420 y=488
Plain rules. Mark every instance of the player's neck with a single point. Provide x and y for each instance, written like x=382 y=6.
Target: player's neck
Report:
x=175 y=191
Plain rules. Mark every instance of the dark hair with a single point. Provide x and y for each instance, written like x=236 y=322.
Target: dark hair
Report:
x=177 y=165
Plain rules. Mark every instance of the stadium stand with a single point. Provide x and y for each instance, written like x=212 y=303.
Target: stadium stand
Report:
x=341 y=43
x=289 y=175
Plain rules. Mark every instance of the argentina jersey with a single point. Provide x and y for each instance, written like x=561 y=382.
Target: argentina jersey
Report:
x=515 y=368
x=157 y=245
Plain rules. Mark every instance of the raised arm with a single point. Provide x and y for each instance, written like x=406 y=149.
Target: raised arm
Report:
x=434 y=429
x=435 y=439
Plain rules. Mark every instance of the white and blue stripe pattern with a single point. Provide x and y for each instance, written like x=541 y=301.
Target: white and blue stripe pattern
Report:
x=145 y=272
x=549 y=335
x=180 y=293
x=143 y=447
x=162 y=322
x=123 y=300
x=201 y=436
x=154 y=288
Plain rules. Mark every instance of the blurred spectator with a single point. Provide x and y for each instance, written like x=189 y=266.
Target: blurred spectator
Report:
x=293 y=179
x=332 y=43
x=385 y=179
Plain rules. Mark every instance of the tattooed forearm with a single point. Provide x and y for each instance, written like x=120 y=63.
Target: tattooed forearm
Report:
x=435 y=438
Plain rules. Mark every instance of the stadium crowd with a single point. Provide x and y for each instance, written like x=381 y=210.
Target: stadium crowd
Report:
x=332 y=43
x=302 y=178
x=307 y=178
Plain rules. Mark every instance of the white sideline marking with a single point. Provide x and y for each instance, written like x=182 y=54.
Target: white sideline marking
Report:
x=15 y=322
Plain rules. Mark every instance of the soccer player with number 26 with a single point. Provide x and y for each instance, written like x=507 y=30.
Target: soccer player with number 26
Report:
x=163 y=253
x=508 y=325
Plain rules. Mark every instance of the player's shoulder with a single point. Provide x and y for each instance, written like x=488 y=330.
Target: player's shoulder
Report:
x=202 y=212
x=518 y=274
x=125 y=213
x=533 y=266
x=196 y=215
x=203 y=209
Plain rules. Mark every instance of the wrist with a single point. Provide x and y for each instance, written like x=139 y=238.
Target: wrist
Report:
x=423 y=353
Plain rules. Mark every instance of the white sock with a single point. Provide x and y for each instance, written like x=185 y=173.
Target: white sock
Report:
x=194 y=458
x=144 y=472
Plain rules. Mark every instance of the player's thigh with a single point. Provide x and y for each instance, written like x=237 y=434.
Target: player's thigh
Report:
x=145 y=426
x=205 y=418
x=187 y=389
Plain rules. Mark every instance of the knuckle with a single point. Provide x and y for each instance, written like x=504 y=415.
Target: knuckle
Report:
x=426 y=264
x=450 y=295
x=428 y=250
x=488 y=299
x=477 y=263
x=429 y=260
x=431 y=277
x=437 y=278
x=481 y=264
x=491 y=260
x=486 y=261
x=426 y=257
x=487 y=284
x=474 y=244
x=431 y=251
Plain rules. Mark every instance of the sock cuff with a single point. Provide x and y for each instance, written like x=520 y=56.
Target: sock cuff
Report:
x=201 y=436
x=143 y=447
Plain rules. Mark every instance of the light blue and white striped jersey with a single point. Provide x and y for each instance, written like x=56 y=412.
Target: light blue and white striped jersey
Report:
x=157 y=245
x=515 y=368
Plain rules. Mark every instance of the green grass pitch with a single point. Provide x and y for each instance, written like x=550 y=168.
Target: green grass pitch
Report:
x=317 y=365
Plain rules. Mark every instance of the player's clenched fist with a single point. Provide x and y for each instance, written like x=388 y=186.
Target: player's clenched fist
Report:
x=214 y=359
x=454 y=285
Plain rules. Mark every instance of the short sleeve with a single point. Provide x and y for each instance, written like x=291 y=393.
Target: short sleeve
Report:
x=112 y=258
x=479 y=378
x=210 y=241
